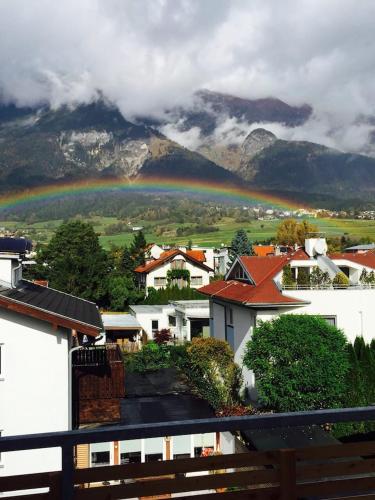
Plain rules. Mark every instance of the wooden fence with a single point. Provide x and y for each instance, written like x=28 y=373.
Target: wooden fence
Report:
x=343 y=471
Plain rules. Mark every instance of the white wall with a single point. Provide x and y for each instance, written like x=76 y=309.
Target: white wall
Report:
x=161 y=272
x=145 y=319
x=345 y=305
x=33 y=388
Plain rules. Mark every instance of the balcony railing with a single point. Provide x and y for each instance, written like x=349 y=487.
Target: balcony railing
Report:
x=328 y=287
x=344 y=470
x=97 y=355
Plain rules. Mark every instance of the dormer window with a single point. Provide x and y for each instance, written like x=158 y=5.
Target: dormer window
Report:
x=239 y=273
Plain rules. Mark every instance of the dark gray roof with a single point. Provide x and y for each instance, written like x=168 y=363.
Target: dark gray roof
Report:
x=168 y=408
x=15 y=245
x=288 y=437
x=54 y=302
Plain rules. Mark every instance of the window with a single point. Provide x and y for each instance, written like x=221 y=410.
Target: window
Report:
x=1 y=359
x=229 y=316
x=160 y=281
x=178 y=264
x=181 y=446
x=0 y=437
x=196 y=280
x=331 y=320
x=171 y=321
x=100 y=454
x=155 y=325
x=154 y=457
x=99 y=458
x=239 y=273
x=133 y=457
x=130 y=451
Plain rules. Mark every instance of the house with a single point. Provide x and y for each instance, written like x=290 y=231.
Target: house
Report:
x=173 y=267
x=156 y=397
x=253 y=290
x=361 y=248
x=215 y=258
x=38 y=328
x=123 y=329
x=185 y=319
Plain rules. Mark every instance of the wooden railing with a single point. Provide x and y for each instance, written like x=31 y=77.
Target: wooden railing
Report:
x=344 y=471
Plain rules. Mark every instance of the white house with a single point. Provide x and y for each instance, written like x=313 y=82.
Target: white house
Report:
x=174 y=267
x=37 y=325
x=185 y=319
x=215 y=258
x=252 y=291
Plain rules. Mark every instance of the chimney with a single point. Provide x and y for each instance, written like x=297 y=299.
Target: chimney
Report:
x=12 y=252
x=315 y=244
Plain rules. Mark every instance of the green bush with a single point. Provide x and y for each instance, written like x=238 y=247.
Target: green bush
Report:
x=300 y=363
x=340 y=280
x=152 y=357
x=319 y=278
x=209 y=367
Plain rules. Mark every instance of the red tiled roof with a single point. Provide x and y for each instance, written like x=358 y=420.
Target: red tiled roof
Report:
x=263 y=250
x=261 y=268
x=197 y=254
x=300 y=254
x=164 y=257
x=236 y=291
x=364 y=259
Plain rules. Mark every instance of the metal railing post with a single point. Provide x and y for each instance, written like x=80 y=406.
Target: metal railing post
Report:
x=67 y=471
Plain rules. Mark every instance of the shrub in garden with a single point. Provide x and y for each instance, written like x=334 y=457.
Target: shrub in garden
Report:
x=300 y=363
x=162 y=336
x=151 y=357
x=211 y=370
x=340 y=280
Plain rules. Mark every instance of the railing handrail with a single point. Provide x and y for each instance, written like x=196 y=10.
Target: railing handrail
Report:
x=174 y=428
x=360 y=286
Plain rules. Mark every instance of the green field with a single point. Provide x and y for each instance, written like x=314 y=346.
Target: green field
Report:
x=257 y=230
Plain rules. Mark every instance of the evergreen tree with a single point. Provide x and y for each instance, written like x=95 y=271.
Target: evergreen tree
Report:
x=127 y=263
x=303 y=277
x=240 y=246
x=74 y=262
x=138 y=248
x=359 y=347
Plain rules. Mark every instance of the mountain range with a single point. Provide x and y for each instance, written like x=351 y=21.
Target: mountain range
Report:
x=42 y=146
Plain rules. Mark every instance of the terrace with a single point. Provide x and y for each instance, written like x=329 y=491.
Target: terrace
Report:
x=331 y=471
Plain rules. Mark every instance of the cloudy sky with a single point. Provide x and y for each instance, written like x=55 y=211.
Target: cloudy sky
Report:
x=146 y=55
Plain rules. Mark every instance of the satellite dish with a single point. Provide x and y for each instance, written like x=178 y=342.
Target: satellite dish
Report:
x=320 y=247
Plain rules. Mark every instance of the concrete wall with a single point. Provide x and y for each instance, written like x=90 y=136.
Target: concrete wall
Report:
x=33 y=388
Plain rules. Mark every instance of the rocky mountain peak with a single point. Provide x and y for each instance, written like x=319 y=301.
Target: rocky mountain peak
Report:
x=255 y=142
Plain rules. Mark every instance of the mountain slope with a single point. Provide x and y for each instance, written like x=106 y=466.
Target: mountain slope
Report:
x=305 y=167
x=90 y=141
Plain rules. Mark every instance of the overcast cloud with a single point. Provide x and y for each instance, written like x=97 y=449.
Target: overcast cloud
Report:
x=146 y=55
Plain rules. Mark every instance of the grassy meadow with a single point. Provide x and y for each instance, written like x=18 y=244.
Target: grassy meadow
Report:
x=258 y=230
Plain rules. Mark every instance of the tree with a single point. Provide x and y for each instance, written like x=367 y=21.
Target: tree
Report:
x=287 y=278
x=319 y=278
x=121 y=292
x=127 y=262
x=240 y=246
x=300 y=363
x=291 y=232
x=303 y=277
x=74 y=262
x=138 y=248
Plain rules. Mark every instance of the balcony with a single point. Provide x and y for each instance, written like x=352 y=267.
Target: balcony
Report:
x=369 y=286
x=331 y=471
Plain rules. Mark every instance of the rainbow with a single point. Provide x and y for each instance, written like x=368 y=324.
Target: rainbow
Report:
x=144 y=185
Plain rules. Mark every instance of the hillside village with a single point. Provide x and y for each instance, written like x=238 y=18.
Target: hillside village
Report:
x=185 y=343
